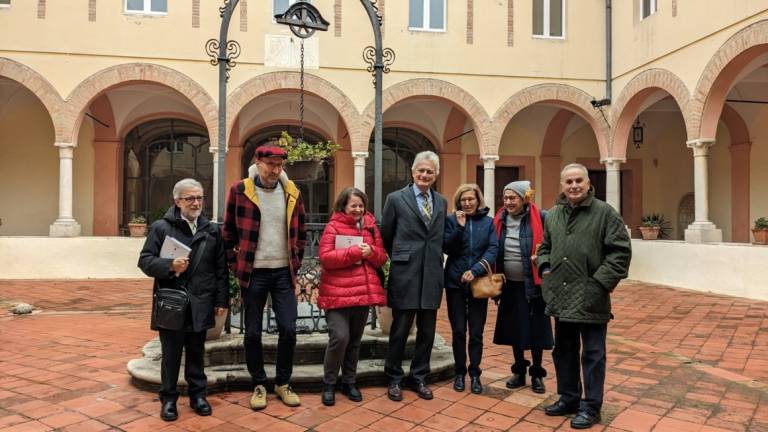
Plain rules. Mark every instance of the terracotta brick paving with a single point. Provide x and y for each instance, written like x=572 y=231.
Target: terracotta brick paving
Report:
x=678 y=361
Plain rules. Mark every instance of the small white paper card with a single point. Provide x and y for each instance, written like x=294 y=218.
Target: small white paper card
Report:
x=173 y=248
x=345 y=241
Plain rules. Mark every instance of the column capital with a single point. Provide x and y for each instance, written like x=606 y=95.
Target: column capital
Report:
x=64 y=144
x=489 y=161
x=67 y=152
x=700 y=146
x=360 y=155
x=611 y=160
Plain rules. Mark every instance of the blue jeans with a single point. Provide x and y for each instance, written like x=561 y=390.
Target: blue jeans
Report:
x=279 y=285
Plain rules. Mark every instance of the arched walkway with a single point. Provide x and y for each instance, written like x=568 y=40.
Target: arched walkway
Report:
x=635 y=94
x=720 y=74
x=285 y=80
x=38 y=85
x=564 y=96
x=426 y=88
x=82 y=96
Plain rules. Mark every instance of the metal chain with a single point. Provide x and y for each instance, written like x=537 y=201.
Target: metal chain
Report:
x=301 y=95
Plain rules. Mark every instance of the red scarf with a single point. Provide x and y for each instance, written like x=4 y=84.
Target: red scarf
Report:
x=538 y=237
x=537 y=228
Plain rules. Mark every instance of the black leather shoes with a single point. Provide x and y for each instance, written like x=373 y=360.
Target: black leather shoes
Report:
x=517 y=380
x=394 y=392
x=458 y=383
x=351 y=391
x=201 y=406
x=560 y=408
x=422 y=390
x=168 y=411
x=475 y=385
x=537 y=385
x=329 y=395
x=585 y=420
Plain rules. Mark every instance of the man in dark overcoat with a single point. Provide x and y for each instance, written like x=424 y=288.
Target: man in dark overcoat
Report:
x=585 y=253
x=205 y=281
x=412 y=229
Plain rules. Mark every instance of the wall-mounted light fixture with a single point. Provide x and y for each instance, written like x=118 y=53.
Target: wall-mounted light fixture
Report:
x=637 y=133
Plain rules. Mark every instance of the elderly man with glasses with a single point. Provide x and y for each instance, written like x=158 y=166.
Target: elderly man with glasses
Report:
x=205 y=282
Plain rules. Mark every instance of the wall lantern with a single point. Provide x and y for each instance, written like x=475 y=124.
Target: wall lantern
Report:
x=637 y=133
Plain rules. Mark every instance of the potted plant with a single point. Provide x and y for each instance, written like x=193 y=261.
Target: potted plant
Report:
x=305 y=160
x=137 y=226
x=760 y=231
x=654 y=226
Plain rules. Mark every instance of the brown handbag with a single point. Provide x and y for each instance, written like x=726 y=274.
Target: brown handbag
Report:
x=487 y=286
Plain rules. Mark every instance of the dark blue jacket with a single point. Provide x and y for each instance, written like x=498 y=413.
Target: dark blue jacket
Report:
x=467 y=245
x=526 y=245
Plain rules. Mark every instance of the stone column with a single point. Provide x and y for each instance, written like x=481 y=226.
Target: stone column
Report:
x=701 y=230
x=613 y=183
x=489 y=180
x=65 y=225
x=360 y=158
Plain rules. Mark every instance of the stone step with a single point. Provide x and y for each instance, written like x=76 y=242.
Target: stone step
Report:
x=226 y=369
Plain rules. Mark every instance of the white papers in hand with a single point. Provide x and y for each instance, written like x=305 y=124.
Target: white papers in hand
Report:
x=173 y=248
x=345 y=241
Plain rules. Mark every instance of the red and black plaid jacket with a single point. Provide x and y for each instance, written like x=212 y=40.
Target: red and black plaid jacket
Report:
x=241 y=228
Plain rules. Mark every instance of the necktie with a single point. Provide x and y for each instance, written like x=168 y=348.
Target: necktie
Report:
x=193 y=227
x=426 y=206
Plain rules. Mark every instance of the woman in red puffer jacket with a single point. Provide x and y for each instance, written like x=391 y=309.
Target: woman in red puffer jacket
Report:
x=349 y=285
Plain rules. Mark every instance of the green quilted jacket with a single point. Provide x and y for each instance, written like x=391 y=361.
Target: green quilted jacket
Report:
x=587 y=251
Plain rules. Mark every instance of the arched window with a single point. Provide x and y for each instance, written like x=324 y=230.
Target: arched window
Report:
x=156 y=155
x=400 y=146
x=317 y=194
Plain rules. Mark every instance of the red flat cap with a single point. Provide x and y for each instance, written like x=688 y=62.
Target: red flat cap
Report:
x=266 y=151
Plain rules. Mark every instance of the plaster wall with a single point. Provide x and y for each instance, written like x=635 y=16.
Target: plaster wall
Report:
x=83 y=178
x=667 y=165
x=719 y=268
x=720 y=183
x=580 y=143
x=700 y=27
x=29 y=164
x=70 y=258
x=523 y=137
x=758 y=199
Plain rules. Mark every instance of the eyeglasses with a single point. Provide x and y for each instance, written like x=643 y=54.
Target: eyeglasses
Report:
x=424 y=171
x=191 y=199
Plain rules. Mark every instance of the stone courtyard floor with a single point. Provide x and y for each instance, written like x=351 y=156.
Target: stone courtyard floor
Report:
x=678 y=360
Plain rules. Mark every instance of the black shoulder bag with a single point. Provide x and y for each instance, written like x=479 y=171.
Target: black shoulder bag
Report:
x=170 y=305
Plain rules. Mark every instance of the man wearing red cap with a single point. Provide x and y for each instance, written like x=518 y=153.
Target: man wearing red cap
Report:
x=265 y=236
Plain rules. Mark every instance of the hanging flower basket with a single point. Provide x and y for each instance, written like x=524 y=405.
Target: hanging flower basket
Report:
x=305 y=160
x=304 y=170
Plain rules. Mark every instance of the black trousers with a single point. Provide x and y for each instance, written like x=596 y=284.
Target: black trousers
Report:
x=345 y=331
x=568 y=338
x=402 y=319
x=279 y=285
x=465 y=310
x=172 y=344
